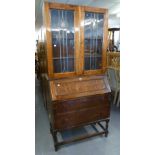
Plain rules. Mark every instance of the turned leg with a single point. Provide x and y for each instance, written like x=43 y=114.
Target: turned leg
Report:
x=115 y=97
x=55 y=147
x=51 y=129
x=118 y=101
x=54 y=134
x=106 y=128
x=55 y=140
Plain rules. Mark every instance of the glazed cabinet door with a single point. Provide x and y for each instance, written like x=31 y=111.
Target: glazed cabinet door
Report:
x=62 y=33
x=62 y=39
x=76 y=39
x=94 y=38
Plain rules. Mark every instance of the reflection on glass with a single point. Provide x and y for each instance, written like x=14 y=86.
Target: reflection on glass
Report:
x=62 y=27
x=93 y=38
x=117 y=39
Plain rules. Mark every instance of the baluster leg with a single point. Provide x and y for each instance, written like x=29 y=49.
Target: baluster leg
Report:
x=106 y=128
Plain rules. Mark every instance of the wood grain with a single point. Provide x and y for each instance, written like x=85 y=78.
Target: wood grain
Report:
x=62 y=6
x=48 y=39
x=94 y=9
x=78 y=87
x=77 y=40
x=81 y=51
x=105 y=41
x=74 y=98
x=84 y=110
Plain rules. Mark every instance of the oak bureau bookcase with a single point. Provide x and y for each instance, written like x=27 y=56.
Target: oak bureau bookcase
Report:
x=72 y=68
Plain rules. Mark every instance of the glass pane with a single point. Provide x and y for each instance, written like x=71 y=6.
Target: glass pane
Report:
x=93 y=32
x=117 y=39
x=62 y=22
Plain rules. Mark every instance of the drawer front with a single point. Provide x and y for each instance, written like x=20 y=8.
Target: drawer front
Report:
x=81 y=103
x=77 y=118
x=73 y=113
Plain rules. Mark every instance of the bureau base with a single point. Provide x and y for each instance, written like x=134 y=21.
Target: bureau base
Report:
x=104 y=131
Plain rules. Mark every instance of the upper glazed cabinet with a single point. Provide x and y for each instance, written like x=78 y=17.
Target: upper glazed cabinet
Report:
x=76 y=39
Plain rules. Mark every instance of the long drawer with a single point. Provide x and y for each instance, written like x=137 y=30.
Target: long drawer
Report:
x=81 y=103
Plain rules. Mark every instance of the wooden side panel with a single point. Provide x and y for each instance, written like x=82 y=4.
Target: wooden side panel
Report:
x=47 y=21
x=105 y=42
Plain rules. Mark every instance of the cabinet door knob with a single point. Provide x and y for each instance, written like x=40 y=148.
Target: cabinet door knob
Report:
x=58 y=84
x=80 y=78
